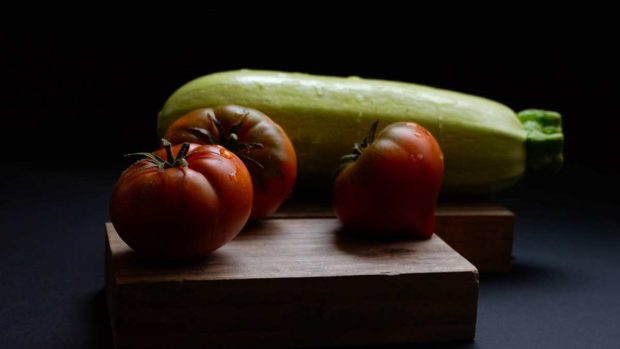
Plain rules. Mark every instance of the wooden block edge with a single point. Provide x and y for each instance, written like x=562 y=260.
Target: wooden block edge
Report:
x=110 y=286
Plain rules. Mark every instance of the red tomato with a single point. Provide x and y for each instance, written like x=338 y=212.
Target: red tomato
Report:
x=263 y=146
x=176 y=206
x=389 y=185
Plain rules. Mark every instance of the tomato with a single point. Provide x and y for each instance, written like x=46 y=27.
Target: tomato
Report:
x=390 y=184
x=263 y=146
x=182 y=202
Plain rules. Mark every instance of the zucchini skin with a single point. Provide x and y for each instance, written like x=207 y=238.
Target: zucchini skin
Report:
x=483 y=141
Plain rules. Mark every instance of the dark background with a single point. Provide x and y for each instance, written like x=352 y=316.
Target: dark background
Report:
x=100 y=97
x=70 y=108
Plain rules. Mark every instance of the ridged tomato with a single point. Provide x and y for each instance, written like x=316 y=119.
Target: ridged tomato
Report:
x=389 y=185
x=182 y=202
x=262 y=144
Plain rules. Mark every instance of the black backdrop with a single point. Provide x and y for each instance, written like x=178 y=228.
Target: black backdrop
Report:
x=72 y=101
x=100 y=97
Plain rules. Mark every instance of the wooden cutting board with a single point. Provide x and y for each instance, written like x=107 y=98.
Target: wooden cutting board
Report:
x=293 y=282
x=481 y=231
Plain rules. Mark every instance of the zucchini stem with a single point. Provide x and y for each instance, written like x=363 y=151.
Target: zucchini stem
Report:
x=544 y=140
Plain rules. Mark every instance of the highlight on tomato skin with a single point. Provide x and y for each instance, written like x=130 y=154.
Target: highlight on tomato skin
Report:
x=182 y=202
x=389 y=185
x=261 y=143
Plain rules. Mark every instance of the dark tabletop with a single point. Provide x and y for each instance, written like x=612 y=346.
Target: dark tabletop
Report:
x=561 y=293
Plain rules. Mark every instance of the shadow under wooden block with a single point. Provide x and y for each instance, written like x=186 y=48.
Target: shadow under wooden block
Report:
x=293 y=283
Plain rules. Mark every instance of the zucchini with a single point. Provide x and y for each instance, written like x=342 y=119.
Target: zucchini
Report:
x=486 y=146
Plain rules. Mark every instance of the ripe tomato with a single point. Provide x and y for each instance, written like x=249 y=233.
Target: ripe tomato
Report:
x=182 y=202
x=263 y=146
x=389 y=185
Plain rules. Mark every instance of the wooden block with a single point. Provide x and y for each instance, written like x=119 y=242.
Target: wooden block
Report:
x=480 y=231
x=293 y=283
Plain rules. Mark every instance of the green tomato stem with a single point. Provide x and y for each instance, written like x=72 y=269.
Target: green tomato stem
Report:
x=170 y=162
x=180 y=160
x=230 y=141
x=169 y=156
x=358 y=149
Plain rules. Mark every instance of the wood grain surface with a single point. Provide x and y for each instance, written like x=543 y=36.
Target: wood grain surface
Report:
x=481 y=231
x=293 y=282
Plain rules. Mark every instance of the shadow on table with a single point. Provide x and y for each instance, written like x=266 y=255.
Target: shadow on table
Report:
x=101 y=331
x=529 y=273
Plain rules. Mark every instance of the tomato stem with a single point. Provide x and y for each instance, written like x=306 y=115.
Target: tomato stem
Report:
x=358 y=148
x=230 y=141
x=180 y=160
x=170 y=161
x=154 y=158
x=169 y=156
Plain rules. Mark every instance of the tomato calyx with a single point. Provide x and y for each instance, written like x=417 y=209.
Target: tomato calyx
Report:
x=230 y=141
x=171 y=161
x=358 y=148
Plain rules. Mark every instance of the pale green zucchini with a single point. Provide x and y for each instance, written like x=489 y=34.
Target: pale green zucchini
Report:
x=485 y=144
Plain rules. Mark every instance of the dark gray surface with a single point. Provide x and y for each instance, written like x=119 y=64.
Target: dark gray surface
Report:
x=562 y=293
